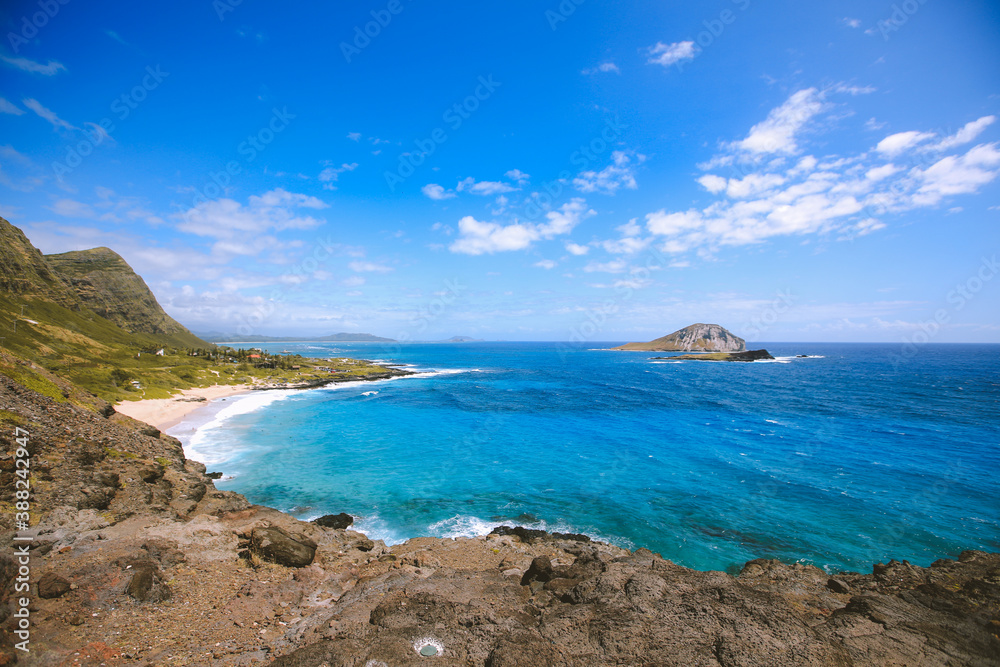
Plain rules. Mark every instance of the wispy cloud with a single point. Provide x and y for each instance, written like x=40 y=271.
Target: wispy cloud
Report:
x=26 y=65
x=47 y=114
x=777 y=133
x=484 y=188
x=602 y=68
x=668 y=54
x=331 y=174
x=838 y=197
x=437 y=192
x=249 y=229
x=619 y=174
x=8 y=107
x=369 y=267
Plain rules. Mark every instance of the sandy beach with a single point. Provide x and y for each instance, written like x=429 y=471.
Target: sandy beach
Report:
x=166 y=412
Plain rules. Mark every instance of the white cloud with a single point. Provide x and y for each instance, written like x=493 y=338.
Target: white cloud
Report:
x=900 y=142
x=353 y=281
x=577 y=249
x=565 y=218
x=966 y=135
x=668 y=224
x=777 y=133
x=35 y=68
x=752 y=184
x=668 y=54
x=354 y=136
x=883 y=172
x=47 y=114
x=484 y=188
x=369 y=267
x=518 y=176
x=603 y=67
x=437 y=192
x=477 y=237
x=546 y=264
x=248 y=229
x=712 y=183
x=851 y=23
x=619 y=174
x=957 y=174
x=331 y=174
x=8 y=107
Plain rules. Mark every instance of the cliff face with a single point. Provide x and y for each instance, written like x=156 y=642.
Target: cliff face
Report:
x=694 y=338
x=108 y=286
x=24 y=272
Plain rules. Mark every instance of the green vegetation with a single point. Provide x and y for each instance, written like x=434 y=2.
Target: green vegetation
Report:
x=31 y=379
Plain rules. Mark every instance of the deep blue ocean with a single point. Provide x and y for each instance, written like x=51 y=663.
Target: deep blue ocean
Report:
x=852 y=456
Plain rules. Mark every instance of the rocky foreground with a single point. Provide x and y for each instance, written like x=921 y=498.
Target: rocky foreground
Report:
x=139 y=560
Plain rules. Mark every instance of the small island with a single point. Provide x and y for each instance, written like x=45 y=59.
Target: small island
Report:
x=748 y=355
x=694 y=338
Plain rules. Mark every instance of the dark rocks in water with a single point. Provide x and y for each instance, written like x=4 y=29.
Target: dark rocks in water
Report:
x=749 y=355
x=336 y=521
x=213 y=475
x=279 y=546
x=529 y=535
x=51 y=586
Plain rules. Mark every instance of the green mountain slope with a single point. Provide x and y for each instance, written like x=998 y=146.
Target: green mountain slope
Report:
x=44 y=320
x=107 y=285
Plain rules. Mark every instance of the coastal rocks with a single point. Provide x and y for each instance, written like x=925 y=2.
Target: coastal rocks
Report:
x=51 y=585
x=279 y=546
x=336 y=521
x=529 y=535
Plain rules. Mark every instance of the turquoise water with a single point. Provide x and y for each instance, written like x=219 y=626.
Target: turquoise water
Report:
x=843 y=459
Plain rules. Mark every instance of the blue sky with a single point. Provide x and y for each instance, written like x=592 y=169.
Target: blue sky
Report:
x=547 y=171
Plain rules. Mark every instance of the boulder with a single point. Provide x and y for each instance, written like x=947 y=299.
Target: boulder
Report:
x=279 y=546
x=51 y=585
x=335 y=521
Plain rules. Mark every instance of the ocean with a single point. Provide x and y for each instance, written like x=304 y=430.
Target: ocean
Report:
x=851 y=456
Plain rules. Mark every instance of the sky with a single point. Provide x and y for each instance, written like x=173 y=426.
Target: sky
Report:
x=548 y=170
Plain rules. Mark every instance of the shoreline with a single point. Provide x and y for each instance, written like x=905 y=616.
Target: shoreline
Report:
x=164 y=413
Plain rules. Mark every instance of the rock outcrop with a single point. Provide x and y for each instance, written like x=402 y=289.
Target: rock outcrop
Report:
x=694 y=338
